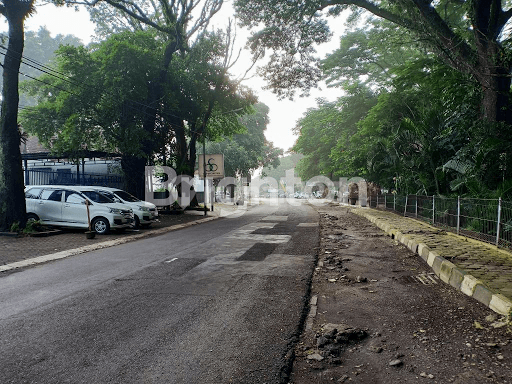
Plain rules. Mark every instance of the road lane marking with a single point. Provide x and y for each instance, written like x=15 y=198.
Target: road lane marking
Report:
x=275 y=218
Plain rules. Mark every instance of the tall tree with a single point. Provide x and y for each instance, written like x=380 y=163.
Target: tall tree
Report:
x=97 y=100
x=93 y=96
x=325 y=133
x=285 y=163
x=250 y=150
x=469 y=36
x=38 y=52
x=178 y=22
x=12 y=198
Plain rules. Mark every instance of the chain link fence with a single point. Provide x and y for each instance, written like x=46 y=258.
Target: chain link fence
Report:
x=488 y=220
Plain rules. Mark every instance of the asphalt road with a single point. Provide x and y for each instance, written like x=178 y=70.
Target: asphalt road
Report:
x=216 y=303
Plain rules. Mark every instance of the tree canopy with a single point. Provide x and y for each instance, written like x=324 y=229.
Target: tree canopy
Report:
x=250 y=150
x=98 y=102
x=469 y=36
x=407 y=121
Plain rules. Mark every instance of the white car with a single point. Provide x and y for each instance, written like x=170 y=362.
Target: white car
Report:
x=144 y=213
x=65 y=206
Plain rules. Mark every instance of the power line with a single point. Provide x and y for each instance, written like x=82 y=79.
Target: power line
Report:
x=65 y=78
x=47 y=70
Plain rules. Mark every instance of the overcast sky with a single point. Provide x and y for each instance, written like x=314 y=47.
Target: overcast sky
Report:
x=283 y=114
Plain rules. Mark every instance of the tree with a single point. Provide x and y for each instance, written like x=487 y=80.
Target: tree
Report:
x=325 y=134
x=285 y=163
x=209 y=100
x=412 y=130
x=12 y=198
x=97 y=100
x=471 y=38
x=425 y=130
x=248 y=151
x=317 y=131
x=92 y=98
x=38 y=52
x=173 y=20
x=362 y=58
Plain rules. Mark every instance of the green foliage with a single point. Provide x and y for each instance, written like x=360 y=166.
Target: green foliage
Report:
x=479 y=168
x=420 y=131
x=39 y=50
x=32 y=226
x=362 y=57
x=285 y=163
x=292 y=63
x=248 y=151
x=100 y=102
x=325 y=134
x=15 y=227
x=96 y=103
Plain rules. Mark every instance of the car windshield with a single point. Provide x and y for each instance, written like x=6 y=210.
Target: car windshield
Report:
x=33 y=193
x=110 y=195
x=97 y=197
x=126 y=196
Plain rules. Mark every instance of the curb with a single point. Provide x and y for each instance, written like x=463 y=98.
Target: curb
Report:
x=102 y=245
x=447 y=271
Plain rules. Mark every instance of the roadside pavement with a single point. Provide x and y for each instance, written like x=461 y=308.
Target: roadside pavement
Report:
x=380 y=313
x=477 y=269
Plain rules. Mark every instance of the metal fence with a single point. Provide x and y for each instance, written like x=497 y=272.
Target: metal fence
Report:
x=37 y=177
x=488 y=220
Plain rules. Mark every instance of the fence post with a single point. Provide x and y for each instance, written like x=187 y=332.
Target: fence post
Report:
x=385 y=202
x=458 y=214
x=405 y=210
x=433 y=209
x=499 y=223
x=394 y=203
x=416 y=209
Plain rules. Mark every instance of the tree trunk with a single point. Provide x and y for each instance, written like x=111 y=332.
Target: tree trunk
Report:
x=12 y=197
x=133 y=167
x=493 y=64
x=495 y=81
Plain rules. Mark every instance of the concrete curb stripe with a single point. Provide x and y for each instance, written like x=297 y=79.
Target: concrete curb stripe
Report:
x=446 y=270
x=312 y=312
x=95 y=247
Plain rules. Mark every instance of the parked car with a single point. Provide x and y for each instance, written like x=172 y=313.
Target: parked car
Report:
x=144 y=213
x=65 y=206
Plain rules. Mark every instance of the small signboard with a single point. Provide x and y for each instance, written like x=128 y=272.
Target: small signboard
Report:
x=214 y=166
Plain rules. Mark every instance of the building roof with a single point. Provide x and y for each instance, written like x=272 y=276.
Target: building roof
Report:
x=34 y=150
x=33 y=146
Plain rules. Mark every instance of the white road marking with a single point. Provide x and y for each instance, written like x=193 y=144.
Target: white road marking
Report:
x=275 y=218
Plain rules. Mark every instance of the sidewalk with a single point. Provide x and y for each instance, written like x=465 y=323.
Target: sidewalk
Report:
x=477 y=269
x=26 y=251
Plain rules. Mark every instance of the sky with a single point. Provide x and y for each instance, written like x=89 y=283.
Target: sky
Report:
x=283 y=114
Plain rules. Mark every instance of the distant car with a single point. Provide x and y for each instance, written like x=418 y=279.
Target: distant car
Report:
x=144 y=213
x=65 y=206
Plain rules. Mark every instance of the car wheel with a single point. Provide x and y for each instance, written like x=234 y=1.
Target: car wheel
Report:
x=136 y=224
x=32 y=217
x=101 y=226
